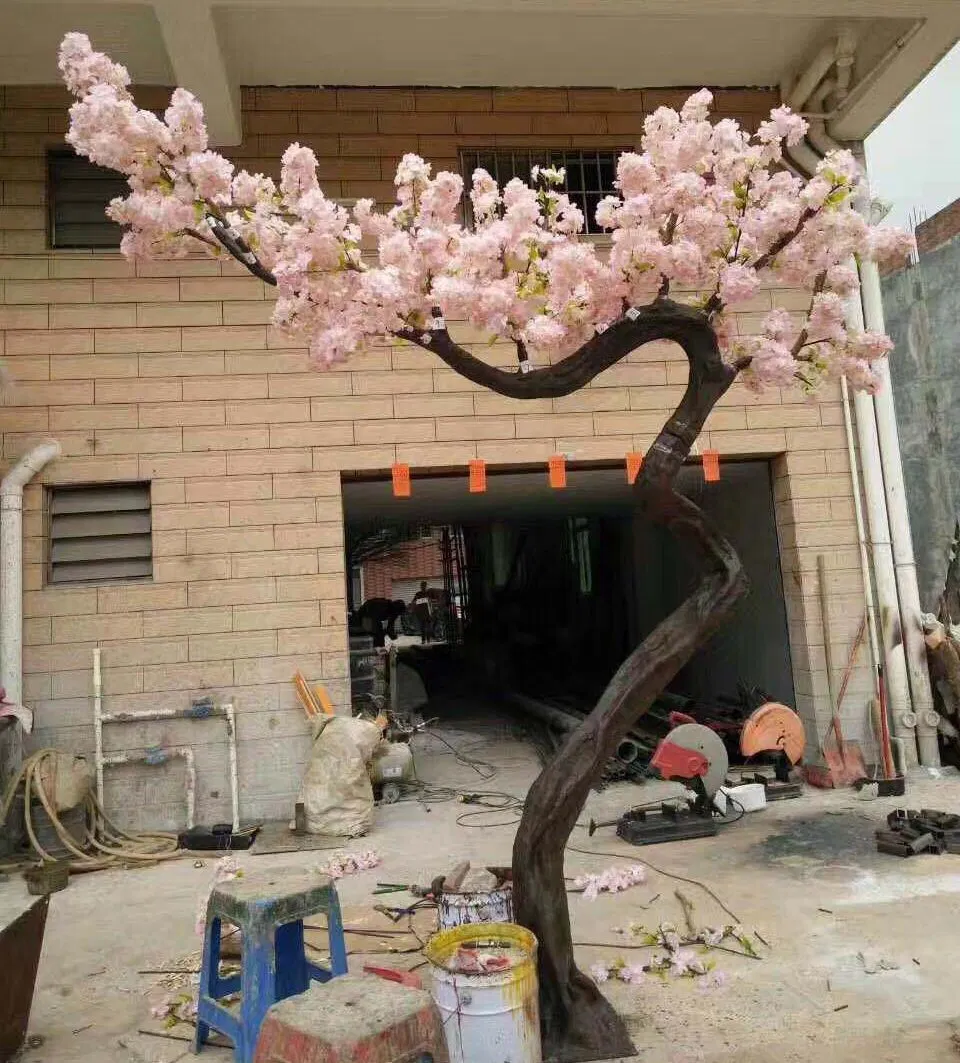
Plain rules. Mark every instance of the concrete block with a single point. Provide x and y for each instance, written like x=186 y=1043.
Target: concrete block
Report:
x=353 y=1018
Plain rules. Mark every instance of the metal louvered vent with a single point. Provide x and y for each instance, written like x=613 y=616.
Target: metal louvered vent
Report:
x=100 y=533
x=78 y=193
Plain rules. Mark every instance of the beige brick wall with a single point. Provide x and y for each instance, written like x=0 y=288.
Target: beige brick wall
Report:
x=170 y=372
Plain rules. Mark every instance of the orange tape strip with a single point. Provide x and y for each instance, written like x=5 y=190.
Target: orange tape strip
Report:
x=558 y=471
x=634 y=465
x=401 y=480
x=478 y=476
x=711 y=466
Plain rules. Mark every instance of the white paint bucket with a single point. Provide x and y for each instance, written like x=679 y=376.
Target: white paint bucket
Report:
x=461 y=909
x=492 y=1017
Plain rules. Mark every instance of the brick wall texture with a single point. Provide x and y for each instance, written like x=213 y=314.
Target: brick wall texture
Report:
x=410 y=561
x=170 y=372
x=939 y=229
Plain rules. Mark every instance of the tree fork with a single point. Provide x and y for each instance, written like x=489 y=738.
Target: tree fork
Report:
x=577 y=1021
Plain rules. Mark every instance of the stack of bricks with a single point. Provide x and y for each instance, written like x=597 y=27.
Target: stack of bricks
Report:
x=170 y=372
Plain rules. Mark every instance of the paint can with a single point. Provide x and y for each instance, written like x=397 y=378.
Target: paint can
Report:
x=489 y=1016
x=461 y=909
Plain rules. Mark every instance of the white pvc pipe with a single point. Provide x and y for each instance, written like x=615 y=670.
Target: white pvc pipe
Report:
x=234 y=779
x=895 y=663
x=806 y=156
x=11 y=565
x=161 y=756
x=812 y=76
x=901 y=540
x=98 y=722
x=226 y=712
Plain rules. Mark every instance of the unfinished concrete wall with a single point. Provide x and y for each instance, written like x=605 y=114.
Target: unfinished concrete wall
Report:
x=170 y=372
x=922 y=308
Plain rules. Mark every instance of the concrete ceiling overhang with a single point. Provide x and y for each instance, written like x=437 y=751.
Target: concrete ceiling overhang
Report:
x=214 y=46
x=522 y=496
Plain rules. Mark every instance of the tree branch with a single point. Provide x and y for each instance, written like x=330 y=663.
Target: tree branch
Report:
x=662 y=319
x=238 y=248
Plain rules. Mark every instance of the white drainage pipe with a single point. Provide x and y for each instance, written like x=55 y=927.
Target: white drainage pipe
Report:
x=11 y=564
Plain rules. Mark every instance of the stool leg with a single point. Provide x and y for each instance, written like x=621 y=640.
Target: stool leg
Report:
x=338 y=947
x=258 y=991
x=291 y=959
x=209 y=971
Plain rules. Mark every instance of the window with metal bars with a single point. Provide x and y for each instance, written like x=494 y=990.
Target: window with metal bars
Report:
x=100 y=533
x=77 y=196
x=590 y=174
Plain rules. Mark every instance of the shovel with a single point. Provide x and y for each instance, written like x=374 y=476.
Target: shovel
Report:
x=844 y=759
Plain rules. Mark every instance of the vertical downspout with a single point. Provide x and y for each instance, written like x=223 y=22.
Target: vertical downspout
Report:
x=11 y=564
x=903 y=558
x=11 y=584
x=806 y=156
x=895 y=663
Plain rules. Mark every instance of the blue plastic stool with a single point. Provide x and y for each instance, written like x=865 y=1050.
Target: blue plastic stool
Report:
x=269 y=909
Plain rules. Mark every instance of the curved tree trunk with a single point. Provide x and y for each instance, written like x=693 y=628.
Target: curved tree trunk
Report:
x=577 y=1021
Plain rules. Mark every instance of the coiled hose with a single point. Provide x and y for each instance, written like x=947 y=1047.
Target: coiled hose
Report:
x=106 y=845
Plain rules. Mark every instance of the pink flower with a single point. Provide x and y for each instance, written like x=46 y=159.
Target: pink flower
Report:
x=412 y=170
x=738 y=282
x=826 y=321
x=184 y=118
x=869 y=345
x=697 y=106
x=697 y=196
x=211 y=175
x=635 y=174
x=298 y=172
x=887 y=244
x=783 y=125
x=632 y=974
x=599 y=972
x=83 y=68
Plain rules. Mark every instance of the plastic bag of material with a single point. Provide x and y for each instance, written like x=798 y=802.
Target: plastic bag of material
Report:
x=336 y=791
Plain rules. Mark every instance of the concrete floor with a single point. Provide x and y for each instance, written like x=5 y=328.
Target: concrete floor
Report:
x=777 y=869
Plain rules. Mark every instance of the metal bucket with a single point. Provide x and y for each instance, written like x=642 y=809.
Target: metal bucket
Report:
x=492 y=1017
x=461 y=909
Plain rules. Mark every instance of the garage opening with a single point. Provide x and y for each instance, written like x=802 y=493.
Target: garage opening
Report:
x=524 y=599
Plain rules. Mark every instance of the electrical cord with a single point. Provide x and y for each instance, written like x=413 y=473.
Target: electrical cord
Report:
x=483 y=768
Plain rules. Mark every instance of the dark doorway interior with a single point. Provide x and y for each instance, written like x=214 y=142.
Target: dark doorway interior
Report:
x=544 y=591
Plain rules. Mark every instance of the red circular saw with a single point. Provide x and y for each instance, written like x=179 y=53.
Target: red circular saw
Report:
x=775 y=728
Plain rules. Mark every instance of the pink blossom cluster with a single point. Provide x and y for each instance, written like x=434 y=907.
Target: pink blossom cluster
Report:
x=341 y=864
x=612 y=880
x=703 y=212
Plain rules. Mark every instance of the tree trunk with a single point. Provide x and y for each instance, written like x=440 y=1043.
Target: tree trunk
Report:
x=577 y=1022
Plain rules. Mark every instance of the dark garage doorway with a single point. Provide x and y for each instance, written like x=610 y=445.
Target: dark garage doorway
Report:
x=543 y=592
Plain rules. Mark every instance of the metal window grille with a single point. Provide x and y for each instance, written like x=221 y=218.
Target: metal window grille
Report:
x=100 y=532
x=590 y=174
x=77 y=194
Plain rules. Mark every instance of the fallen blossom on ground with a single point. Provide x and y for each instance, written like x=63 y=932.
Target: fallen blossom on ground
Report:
x=599 y=972
x=613 y=880
x=341 y=864
x=633 y=974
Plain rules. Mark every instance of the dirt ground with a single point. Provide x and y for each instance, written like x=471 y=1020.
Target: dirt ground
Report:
x=803 y=873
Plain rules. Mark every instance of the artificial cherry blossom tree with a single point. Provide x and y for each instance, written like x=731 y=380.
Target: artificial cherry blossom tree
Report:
x=704 y=208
